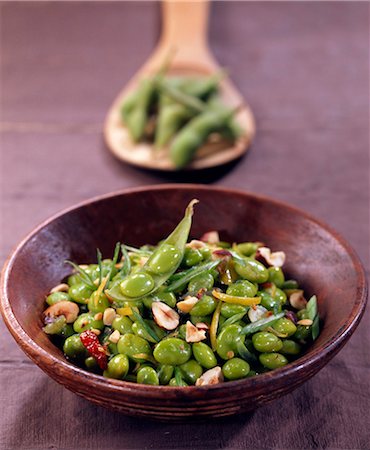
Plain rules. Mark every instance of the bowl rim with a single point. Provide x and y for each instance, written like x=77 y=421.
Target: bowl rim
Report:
x=306 y=361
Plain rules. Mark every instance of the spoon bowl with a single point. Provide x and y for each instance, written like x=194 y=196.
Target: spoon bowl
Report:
x=184 y=31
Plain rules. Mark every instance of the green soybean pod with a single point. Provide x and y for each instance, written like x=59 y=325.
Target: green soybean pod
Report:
x=273 y=360
x=162 y=263
x=191 y=371
x=147 y=375
x=195 y=133
x=170 y=119
x=204 y=355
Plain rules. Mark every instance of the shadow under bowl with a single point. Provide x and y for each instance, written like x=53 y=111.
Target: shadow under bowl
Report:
x=317 y=257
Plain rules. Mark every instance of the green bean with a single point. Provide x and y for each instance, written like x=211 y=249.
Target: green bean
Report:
x=194 y=135
x=162 y=263
x=260 y=324
x=190 y=274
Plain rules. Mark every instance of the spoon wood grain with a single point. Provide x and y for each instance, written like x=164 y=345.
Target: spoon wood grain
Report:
x=185 y=31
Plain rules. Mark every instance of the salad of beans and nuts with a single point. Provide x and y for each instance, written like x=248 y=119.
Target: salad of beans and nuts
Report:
x=182 y=313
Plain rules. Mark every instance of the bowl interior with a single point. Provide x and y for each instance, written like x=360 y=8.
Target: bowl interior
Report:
x=318 y=259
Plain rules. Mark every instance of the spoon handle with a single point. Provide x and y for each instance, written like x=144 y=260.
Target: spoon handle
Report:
x=184 y=29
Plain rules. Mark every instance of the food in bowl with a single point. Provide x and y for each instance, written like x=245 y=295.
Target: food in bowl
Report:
x=182 y=313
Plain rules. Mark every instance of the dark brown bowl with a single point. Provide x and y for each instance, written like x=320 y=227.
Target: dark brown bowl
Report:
x=321 y=260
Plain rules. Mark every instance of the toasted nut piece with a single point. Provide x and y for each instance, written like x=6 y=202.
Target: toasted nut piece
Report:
x=64 y=308
x=256 y=313
x=297 y=300
x=143 y=260
x=108 y=316
x=83 y=266
x=211 y=376
x=186 y=305
x=212 y=237
x=118 y=265
x=202 y=326
x=96 y=282
x=114 y=337
x=195 y=244
x=305 y=322
x=95 y=331
x=276 y=259
x=98 y=316
x=193 y=334
x=165 y=316
x=63 y=287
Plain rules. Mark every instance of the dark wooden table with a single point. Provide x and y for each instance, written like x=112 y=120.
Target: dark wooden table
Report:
x=304 y=68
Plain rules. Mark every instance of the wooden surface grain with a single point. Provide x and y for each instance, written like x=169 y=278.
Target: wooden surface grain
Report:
x=304 y=68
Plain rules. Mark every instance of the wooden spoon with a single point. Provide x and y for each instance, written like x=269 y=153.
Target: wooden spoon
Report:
x=184 y=30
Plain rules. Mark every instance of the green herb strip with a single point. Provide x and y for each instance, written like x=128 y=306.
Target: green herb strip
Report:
x=190 y=274
x=259 y=324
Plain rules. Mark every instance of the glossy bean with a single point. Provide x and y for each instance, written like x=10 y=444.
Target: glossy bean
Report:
x=204 y=307
x=118 y=367
x=87 y=321
x=235 y=369
x=165 y=373
x=135 y=347
x=74 y=349
x=242 y=288
x=273 y=360
x=147 y=375
x=204 y=355
x=229 y=310
x=191 y=371
x=203 y=281
x=79 y=292
x=285 y=326
x=56 y=297
x=227 y=341
x=172 y=351
x=264 y=341
x=253 y=270
x=123 y=324
x=276 y=276
x=290 y=347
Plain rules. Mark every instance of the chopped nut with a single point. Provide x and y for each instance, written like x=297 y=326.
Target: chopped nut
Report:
x=211 y=237
x=165 y=316
x=211 y=376
x=98 y=316
x=187 y=305
x=297 y=300
x=202 y=326
x=230 y=354
x=64 y=308
x=305 y=322
x=96 y=282
x=63 y=287
x=114 y=337
x=142 y=261
x=256 y=313
x=108 y=316
x=193 y=334
x=95 y=331
x=195 y=244
x=275 y=259
x=119 y=265
x=83 y=266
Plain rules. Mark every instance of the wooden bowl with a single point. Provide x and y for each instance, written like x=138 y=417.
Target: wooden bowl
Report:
x=316 y=256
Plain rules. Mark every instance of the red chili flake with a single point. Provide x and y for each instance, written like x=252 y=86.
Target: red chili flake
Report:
x=201 y=292
x=90 y=340
x=222 y=253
